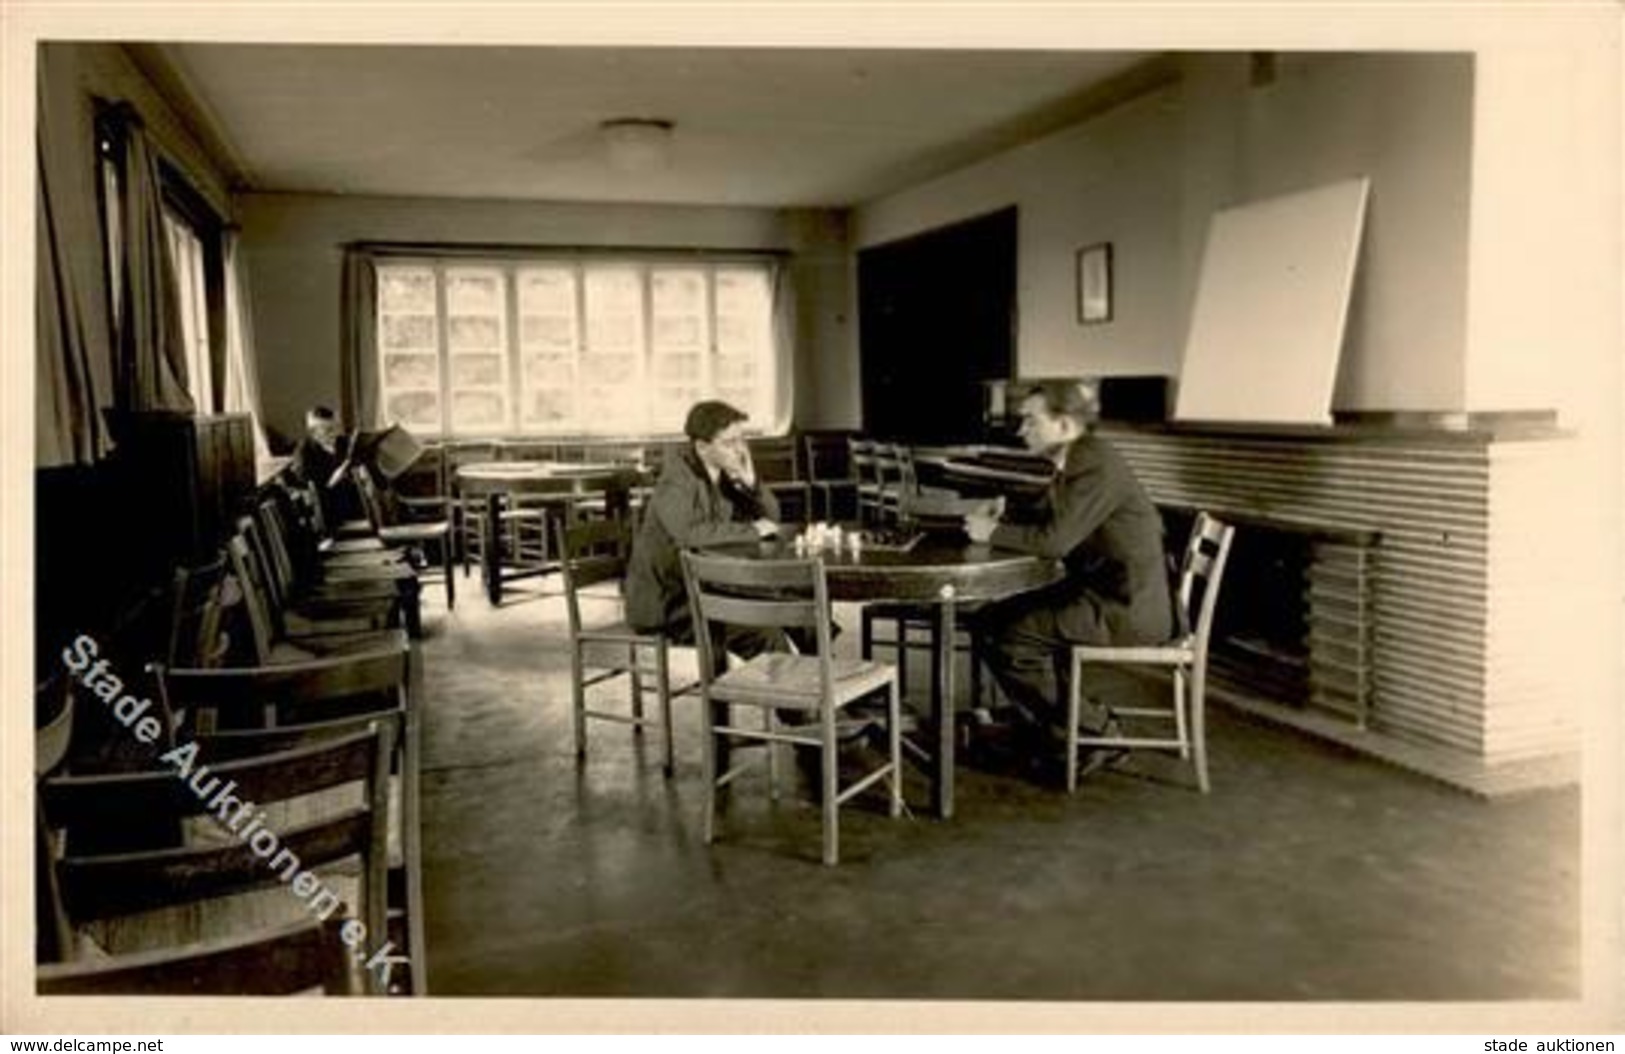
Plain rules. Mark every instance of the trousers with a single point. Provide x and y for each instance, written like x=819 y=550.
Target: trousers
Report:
x=1024 y=646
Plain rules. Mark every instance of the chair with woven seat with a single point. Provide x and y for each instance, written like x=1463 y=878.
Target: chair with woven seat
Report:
x=418 y=536
x=595 y=555
x=1185 y=657
x=99 y=886
x=243 y=712
x=783 y=595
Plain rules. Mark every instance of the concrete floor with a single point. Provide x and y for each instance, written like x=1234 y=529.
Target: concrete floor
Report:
x=1309 y=873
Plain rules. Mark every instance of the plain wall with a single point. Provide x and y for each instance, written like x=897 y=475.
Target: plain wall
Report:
x=294 y=248
x=1148 y=175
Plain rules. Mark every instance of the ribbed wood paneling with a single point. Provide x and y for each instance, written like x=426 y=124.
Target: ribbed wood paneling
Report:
x=1430 y=608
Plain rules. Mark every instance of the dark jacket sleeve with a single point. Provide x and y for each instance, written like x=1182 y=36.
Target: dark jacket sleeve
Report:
x=1085 y=496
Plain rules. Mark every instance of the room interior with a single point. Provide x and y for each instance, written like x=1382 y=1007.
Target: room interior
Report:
x=1395 y=817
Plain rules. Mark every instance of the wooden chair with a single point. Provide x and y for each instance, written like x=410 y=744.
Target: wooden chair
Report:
x=282 y=960
x=303 y=606
x=1201 y=572
x=784 y=594
x=428 y=534
x=308 y=560
x=194 y=618
x=829 y=475
x=595 y=553
x=862 y=457
x=241 y=712
x=779 y=471
x=266 y=628
x=99 y=886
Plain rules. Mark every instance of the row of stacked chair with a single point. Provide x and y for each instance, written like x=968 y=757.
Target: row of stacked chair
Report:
x=287 y=664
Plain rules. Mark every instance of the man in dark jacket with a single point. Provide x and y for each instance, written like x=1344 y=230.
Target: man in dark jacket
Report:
x=1100 y=522
x=322 y=458
x=707 y=494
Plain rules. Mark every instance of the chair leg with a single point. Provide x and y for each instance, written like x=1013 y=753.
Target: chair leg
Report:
x=770 y=726
x=894 y=744
x=1198 y=693
x=1074 y=703
x=446 y=567
x=1181 y=726
x=708 y=762
x=832 y=809
x=635 y=674
x=663 y=690
x=578 y=700
x=867 y=641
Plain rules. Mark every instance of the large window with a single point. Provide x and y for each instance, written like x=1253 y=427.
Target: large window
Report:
x=568 y=346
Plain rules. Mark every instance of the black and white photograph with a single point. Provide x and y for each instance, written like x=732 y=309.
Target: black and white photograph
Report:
x=724 y=512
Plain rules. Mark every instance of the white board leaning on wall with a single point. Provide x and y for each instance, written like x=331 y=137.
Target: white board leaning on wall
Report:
x=1271 y=304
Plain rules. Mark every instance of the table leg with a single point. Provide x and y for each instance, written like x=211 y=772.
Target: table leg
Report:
x=942 y=706
x=491 y=550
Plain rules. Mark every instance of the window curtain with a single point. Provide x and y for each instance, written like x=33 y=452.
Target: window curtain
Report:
x=242 y=368
x=358 y=314
x=152 y=346
x=784 y=349
x=73 y=353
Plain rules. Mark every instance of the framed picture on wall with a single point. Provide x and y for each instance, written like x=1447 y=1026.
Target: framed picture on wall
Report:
x=1094 y=280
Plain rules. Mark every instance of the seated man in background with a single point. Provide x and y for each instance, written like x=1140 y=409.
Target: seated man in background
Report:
x=707 y=494
x=322 y=458
x=1097 y=519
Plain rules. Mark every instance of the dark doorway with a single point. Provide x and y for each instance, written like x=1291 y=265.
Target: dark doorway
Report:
x=936 y=318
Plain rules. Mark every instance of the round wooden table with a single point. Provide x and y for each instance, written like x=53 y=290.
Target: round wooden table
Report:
x=498 y=481
x=941 y=571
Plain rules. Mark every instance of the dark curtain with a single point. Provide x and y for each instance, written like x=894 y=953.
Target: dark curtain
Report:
x=73 y=353
x=358 y=314
x=152 y=348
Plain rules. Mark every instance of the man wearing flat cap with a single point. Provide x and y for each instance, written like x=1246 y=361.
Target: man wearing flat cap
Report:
x=707 y=494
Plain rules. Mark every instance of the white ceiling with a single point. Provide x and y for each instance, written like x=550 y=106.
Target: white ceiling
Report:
x=754 y=126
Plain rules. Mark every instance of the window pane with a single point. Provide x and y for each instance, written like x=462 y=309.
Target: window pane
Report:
x=477 y=410
x=407 y=332
x=476 y=371
x=406 y=290
x=614 y=309
x=464 y=331
x=473 y=291
x=413 y=409
x=412 y=371
x=550 y=406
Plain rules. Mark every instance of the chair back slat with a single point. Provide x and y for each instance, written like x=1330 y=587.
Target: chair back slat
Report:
x=1206 y=553
x=106 y=799
x=757 y=613
x=594 y=552
x=371 y=502
x=194 y=620
x=105 y=887
x=283 y=960
x=262 y=628
x=749 y=573
x=384 y=669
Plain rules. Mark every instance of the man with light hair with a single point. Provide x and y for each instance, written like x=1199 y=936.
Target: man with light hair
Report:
x=1098 y=520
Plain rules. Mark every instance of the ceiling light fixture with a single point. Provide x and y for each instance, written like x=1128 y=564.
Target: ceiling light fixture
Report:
x=637 y=144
